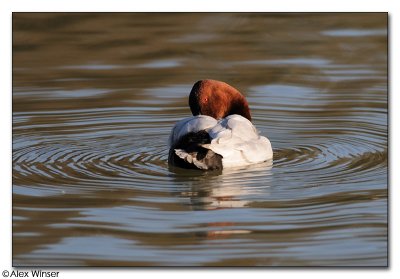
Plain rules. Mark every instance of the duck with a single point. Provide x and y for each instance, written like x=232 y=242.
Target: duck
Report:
x=220 y=133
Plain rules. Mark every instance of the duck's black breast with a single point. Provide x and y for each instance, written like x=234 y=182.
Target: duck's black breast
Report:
x=188 y=152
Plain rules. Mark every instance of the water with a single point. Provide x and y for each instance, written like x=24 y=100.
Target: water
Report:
x=95 y=97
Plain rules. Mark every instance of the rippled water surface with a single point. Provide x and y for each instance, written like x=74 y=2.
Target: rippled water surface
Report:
x=95 y=97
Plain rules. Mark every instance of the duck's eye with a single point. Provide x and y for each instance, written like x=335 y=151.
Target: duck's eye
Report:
x=205 y=99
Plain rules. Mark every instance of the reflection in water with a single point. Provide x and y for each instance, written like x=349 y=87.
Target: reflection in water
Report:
x=95 y=97
x=226 y=189
x=229 y=188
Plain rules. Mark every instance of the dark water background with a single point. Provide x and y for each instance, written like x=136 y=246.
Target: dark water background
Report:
x=96 y=95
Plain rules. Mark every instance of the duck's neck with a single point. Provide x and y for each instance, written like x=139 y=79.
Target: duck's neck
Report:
x=239 y=106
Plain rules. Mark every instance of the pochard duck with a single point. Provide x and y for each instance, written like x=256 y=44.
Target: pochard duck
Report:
x=220 y=133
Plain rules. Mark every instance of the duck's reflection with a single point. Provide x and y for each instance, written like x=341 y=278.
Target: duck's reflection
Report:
x=227 y=189
x=204 y=197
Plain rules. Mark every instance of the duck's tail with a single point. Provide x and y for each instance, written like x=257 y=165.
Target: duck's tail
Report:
x=189 y=152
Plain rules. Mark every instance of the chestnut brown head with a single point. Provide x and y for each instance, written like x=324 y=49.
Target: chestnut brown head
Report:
x=217 y=99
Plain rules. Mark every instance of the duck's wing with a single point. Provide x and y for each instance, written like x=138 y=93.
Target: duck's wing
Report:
x=186 y=140
x=238 y=142
x=191 y=124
